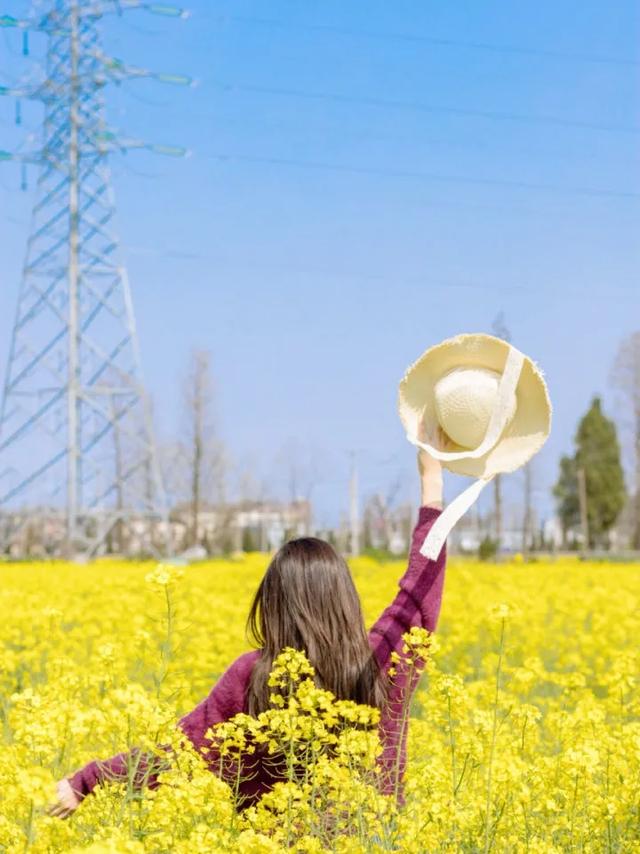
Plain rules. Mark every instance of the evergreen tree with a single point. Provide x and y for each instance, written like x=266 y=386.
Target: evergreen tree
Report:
x=598 y=453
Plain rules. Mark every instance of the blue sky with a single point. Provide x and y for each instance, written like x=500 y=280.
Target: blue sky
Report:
x=366 y=179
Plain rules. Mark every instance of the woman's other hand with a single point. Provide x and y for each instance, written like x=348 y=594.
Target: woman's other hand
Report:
x=67 y=803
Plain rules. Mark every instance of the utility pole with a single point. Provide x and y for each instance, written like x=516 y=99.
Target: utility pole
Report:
x=354 y=519
x=497 y=493
x=584 y=518
x=526 y=522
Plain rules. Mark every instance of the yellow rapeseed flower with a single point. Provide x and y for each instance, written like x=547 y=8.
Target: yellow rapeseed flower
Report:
x=527 y=706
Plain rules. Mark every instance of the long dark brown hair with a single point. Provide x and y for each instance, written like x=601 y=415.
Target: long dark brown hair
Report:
x=307 y=600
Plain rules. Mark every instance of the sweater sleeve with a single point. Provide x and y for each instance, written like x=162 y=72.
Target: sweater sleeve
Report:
x=418 y=600
x=142 y=767
x=227 y=699
x=224 y=701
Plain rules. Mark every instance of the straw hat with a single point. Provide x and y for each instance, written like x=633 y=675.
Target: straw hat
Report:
x=492 y=403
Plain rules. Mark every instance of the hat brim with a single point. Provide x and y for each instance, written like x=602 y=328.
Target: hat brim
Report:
x=523 y=436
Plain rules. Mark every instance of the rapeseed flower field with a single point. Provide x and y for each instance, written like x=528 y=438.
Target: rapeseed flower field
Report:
x=524 y=732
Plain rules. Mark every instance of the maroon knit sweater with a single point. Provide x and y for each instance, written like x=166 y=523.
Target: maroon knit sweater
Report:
x=417 y=603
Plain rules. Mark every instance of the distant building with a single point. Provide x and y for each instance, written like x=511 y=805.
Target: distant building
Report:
x=242 y=526
x=471 y=530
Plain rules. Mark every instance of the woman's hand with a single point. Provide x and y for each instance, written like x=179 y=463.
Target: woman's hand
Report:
x=68 y=801
x=430 y=468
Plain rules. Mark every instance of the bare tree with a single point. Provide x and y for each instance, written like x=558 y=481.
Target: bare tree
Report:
x=196 y=468
x=250 y=487
x=301 y=466
x=254 y=495
x=198 y=400
x=625 y=378
x=378 y=514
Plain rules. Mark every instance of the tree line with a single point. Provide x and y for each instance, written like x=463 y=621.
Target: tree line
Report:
x=591 y=490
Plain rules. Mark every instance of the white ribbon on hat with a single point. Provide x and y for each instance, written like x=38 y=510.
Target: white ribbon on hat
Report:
x=441 y=528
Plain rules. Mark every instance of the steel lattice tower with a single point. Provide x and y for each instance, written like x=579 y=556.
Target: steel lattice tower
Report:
x=76 y=439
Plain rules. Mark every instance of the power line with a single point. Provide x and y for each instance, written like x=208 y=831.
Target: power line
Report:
x=427 y=176
x=416 y=38
x=552 y=291
x=417 y=106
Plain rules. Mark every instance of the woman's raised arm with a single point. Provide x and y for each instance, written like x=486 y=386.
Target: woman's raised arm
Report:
x=418 y=600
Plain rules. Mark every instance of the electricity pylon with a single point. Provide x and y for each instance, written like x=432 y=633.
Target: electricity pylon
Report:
x=76 y=439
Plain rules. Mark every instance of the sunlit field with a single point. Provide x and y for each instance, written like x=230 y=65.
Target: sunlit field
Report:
x=524 y=735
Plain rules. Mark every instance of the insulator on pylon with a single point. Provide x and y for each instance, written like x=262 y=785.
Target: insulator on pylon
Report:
x=25 y=43
x=23 y=176
x=18 y=112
